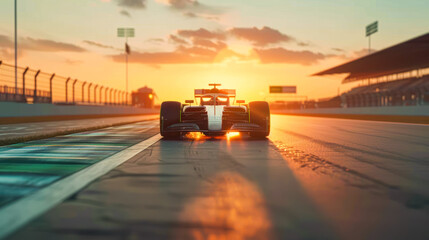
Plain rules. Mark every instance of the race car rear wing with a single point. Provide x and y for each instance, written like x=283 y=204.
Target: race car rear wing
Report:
x=202 y=92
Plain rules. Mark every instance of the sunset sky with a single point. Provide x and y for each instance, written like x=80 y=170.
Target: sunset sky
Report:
x=185 y=44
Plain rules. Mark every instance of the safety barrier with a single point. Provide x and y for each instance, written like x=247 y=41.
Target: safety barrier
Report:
x=35 y=86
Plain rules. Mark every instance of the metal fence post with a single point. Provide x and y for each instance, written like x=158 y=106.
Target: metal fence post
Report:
x=35 y=86
x=83 y=91
x=101 y=89
x=89 y=92
x=110 y=97
x=114 y=96
x=118 y=97
x=95 y=93
x=50 y=86
x=74 y=83
x=67 y=90
x=105 y=96
x=23 y=86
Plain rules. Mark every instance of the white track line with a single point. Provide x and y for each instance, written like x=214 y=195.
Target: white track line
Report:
x=20 y=212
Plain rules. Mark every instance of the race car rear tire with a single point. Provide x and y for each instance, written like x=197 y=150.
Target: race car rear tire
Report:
x=259 y=113
x=169 y=115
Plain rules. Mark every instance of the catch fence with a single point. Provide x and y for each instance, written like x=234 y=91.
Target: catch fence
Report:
x=35 y=86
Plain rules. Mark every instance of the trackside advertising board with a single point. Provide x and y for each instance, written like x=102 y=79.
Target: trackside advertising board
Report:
x=282 y=89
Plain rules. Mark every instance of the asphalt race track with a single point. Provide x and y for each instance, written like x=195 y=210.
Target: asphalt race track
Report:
x=313 y=178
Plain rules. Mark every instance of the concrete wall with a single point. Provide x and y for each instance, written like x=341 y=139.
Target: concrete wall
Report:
x=12 y=109
x=391 y=111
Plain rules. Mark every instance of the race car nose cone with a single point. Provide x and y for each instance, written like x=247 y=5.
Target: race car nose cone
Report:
x=214 y=114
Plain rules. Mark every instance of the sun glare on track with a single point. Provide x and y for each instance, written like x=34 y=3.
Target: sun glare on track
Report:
x=232 y=208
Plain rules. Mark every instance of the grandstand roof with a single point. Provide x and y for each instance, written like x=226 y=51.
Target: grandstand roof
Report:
x=406 y=56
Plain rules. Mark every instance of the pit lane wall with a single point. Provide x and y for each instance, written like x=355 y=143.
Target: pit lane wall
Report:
x=17 y=111
x=411 y=114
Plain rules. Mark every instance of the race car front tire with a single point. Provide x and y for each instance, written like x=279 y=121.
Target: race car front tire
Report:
x=170 y=114
x=259 y=113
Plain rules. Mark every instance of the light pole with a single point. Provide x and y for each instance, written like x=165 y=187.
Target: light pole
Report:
x=16 y=50
x=126 y=33
x=371 y=29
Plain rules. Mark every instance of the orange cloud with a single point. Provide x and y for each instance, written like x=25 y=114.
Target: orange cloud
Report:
x=202 y=33
x=182 y=55
x=43 y=45
x=282 y=55
x=209 y=44
x=177 y=40
x=203 y=55
x=100 y=45
x=49 y=45
x=261 y=37
x=203 y=46
x=197 y=51
x=163 y=58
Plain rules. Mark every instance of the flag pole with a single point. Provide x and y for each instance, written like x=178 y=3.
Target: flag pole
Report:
x=126 y=32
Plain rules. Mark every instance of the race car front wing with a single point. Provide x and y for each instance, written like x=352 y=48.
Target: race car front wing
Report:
x=236 y=127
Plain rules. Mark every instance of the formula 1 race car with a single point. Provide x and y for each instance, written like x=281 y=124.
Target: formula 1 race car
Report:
x=215 y=115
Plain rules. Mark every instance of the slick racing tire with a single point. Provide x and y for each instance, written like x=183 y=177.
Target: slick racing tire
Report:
x=169 y=115
x=259 y=113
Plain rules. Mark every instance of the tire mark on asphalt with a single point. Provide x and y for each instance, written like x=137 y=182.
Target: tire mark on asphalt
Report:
x=341 y=148
x=410 y=199
x=422 y=143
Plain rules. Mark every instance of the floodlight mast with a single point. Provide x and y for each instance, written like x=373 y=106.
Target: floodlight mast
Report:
x=371 y=29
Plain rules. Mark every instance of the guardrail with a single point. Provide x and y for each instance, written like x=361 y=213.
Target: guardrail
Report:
x=35 y=86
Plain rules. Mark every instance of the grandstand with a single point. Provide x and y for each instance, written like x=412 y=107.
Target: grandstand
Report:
x=395 y=76
x=405 y=92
